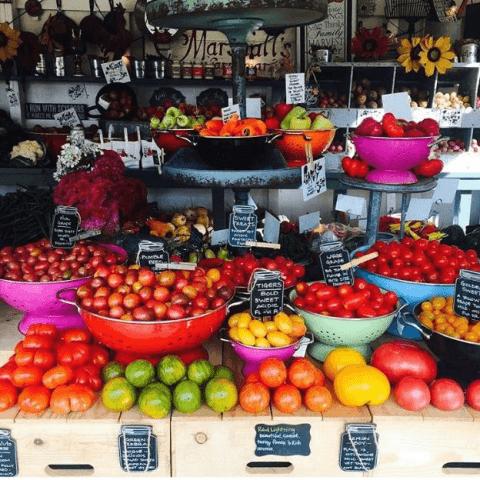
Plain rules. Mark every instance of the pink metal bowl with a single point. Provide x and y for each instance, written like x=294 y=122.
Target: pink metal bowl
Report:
x=392 y=158
x=253 y=356
x=39 y=300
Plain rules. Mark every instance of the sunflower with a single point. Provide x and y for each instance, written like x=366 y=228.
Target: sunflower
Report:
x=370 y=44
x=409 y=54
x=436 y=54
x=9 y=42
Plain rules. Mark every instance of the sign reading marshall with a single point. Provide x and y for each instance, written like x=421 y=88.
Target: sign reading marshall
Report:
x=47 y=111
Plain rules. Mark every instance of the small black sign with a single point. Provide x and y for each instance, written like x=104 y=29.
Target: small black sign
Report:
x=137 y=449
x=64 y=226
x=242 y=228
x=282 y=440
x=151 y=254
x=331 y=260
x=466 y=301
x=47 y=111
x=196 y=237
x=8 y=455
x=358 y=448
x=266 y=296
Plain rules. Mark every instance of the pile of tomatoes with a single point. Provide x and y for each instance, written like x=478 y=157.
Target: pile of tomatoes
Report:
x=60 y=369
x=419 y=260
x=133 y=293
x=360 y=300
x=40 y=262
x=301 y=383
x=240 y=269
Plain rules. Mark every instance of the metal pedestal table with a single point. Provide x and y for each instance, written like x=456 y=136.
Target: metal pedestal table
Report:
x=375 y=200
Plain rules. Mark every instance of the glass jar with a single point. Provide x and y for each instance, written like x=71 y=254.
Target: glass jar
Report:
x=198 y=71
x=187 y=70
x=176 y=70
x=227 y=71
x=209 y=71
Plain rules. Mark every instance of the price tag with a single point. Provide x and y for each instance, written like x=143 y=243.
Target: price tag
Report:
x=398 y=104
x=295 y=88
x=306 y=223
x=152 y=255
x=271 y=229
x=466 y=300
x=331 y=256
x=242 y=226
x=12 y=97
x=314 y=182
x=65 y=223
x=266 y=296
x=351 y=205
x=230 y=111
x=8 y=455
x=116 y=72
x=219 y=237
x=359 y=448
x=451 y=117
x=137 y=448
x=418 y=209
x=67 y=118
x=282 y=439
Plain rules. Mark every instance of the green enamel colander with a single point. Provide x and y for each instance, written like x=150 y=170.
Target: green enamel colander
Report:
x=331 y=332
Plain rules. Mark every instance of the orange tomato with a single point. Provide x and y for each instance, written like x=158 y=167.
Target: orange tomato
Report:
x=254 y=397
x=214 y=125
x=273 y=372
x=287 y=398
x=34 y=399
x=318 y=398
x=319 y=377
x=8 y=395
x=301 y=373
x=252 y=377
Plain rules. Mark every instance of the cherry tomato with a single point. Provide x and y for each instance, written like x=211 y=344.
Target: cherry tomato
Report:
x=360 y=284
x=344 y=290
x=353 y=301
x=391 y=298
x=326 y=293
x=366 y=311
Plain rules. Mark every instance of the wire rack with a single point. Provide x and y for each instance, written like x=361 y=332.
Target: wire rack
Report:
x=410 y=10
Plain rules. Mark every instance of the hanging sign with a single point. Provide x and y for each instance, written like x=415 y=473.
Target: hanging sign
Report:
x=230 y=111
x=12 y=97
x=359 y=448
x=314 y=182
x=466 y=300
x=67 y=118
x=8 y=455
x=116 y=72
x=137 y=448
x=282 y=439
x=266 y=296
x=295 y=88
x=242 y=226
x=66 y=221
x=332 y=256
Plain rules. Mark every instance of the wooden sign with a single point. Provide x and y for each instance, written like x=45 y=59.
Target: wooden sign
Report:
x=47 y=111
x=242 y=226
x=266 y=296
x=332 y=256
x=137 y=448
x=66 y=221
x=358 y=448
x=282 y=439
x=466 y=300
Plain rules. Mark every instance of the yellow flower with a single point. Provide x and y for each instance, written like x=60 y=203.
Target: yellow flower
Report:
x=9 y=42
x=409 y=54
x=436 y=55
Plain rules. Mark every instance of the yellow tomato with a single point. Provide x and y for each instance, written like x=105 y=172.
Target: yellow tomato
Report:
x=233 y=320
x=233 y=334
x=438 y=302
x=339 y=358
x=357 y=385
x=278 y=339
x=246 y=337
x=427 y=306
x=214 y=274
x=262 y=342
x=244 y=319
x=257 y=328
x=471 y=336
x=283 y=322
x=270 y=326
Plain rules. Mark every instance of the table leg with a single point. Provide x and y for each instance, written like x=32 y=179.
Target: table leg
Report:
x=373 y=216
x=403 y=211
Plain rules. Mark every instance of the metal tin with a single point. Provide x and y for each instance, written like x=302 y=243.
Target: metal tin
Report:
x=176 y=70
x=95 y=68
x=59 y=63
x=159 y=68
x=187 y=70
x=139 y=68
x=198 y=71
x=251 y=72
x=41 y=67
x=209 y=71
x=227 y=71
x=323 y=55
x=469 y=52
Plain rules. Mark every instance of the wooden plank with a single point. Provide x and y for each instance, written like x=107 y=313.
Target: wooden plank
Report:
x=391 y=411
x=10 y=335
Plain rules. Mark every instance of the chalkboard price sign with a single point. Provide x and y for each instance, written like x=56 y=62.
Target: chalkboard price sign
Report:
x=8 y=455
x=66 y=221
x=266 y=296
x=137 y=448
x=282 y=439
x=466 y=301
x=331 y=256
x=359 y=448
x=242 y=226
x=152 y=254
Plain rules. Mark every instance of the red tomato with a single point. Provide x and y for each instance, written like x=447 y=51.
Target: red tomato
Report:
x=71 y=398
x=326 y=292
x=27 y=376
x=353 y=301
x=58 y=375
x=99 y=355
x=44 y=359
x=391 y=298
x=8 y=395
x=73 y=354
x=38 y=341
x=412 y=393
x=90 y=376
x=76 y=335
x=365 y=311
x=34 y=399
x=447 y=394
x=6 y=371
x=344 y=290
x=472 y=394
x=360 y=284
x=334 y=304
x=399 y=358
x=43 y=329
